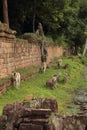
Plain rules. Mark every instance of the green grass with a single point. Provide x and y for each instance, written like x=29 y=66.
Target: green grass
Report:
x=36 y=86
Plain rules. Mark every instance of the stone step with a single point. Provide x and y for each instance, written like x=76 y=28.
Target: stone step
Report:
x=24 y=126
x=36 y=121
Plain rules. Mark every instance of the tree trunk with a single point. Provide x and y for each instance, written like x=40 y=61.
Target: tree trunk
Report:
x=5 y=12
x=34 y=15
x=85 y=48
x=76 y=49
x=34 y=23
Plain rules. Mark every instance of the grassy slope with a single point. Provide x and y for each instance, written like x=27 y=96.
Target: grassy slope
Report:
x=36 y=87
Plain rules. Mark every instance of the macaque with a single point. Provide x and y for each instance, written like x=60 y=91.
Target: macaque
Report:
x=16 y=79
x=52 y=82
x=59 y=64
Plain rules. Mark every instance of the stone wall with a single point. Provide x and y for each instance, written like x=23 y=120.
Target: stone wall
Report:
x=18 y=53
x=71 y=122
x=26 y=116
x=54 y=51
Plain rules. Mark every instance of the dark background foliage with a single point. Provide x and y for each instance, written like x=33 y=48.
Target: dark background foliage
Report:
x=60 y=18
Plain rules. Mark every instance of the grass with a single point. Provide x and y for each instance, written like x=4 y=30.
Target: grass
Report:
x=36 y=86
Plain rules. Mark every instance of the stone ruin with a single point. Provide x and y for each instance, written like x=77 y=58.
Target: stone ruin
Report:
x=6 y=32
x=30 y=115
x=36 y=114
x=80 y=99
x=71 y=122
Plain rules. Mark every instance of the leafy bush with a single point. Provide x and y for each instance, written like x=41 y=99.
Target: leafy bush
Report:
x=60 y=40
x=83 y=59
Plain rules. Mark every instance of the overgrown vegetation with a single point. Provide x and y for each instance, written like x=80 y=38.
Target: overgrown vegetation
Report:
x=36 y=86
x=33 y=38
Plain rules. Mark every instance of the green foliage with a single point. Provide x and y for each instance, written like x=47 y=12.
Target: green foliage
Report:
x=59 y=17
x=4 y=80
x=83 y=59
x=26 y=102
x=50 y=39
x=60 y=40
x=28 y=71
x=85 y=33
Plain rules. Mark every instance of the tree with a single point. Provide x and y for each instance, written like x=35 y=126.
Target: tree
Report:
x=67 y=18
x=5 y=12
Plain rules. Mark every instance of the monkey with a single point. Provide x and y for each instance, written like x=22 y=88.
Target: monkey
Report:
x=53 y=81
x=16 y=79
x=66 y=66
x=40 y=30
x=59 y=64
x=66 y=77
x=50 y=83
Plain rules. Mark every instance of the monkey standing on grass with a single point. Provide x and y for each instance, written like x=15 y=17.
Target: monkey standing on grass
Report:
x=59 y=64
x=16 y=79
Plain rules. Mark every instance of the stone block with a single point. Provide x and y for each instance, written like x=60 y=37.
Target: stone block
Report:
x=48 y=127
x=30 y=127
x=38 y=121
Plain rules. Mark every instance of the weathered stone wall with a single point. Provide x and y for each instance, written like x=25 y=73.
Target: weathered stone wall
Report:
x=54 y=51
x=22 y=116
x=71 y=122
x=18 y=53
